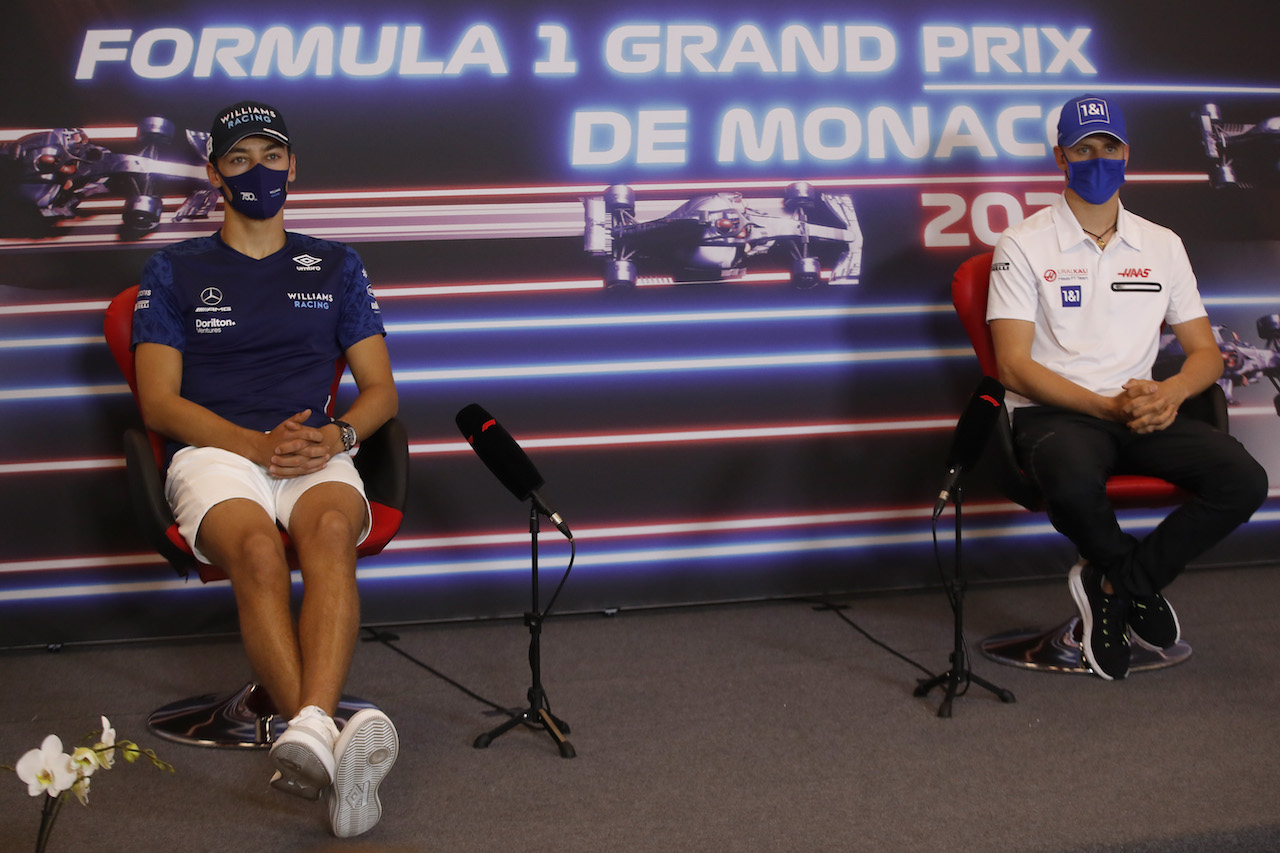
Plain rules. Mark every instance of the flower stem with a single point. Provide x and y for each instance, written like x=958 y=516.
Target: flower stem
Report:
x=49 y=814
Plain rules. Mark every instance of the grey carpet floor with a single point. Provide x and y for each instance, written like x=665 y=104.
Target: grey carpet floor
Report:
x=768 y=726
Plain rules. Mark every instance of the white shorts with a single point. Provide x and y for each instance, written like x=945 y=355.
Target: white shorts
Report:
x=202 y=477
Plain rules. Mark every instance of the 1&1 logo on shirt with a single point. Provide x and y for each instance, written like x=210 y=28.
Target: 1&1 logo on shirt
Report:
x=1071 y=296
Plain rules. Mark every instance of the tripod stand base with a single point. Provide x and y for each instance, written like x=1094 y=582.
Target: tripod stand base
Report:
x=953 y=678
x=1058 y=650
x=535 y=718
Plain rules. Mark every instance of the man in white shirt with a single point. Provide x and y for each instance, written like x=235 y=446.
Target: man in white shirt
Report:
x=1079 y=291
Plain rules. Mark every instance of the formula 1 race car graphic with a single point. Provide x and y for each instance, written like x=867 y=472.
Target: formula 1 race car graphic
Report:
x=1242 y=155
x=1243 y=364
x=710 y=237
x=45 y=176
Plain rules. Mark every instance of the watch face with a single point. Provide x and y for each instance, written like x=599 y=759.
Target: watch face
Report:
x=348 y=434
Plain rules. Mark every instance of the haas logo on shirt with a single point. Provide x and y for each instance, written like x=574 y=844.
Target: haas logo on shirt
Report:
x=1136 y=272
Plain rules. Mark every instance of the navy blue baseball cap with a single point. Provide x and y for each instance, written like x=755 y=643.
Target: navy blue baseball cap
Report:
x=242 y=120
x=1087 y=115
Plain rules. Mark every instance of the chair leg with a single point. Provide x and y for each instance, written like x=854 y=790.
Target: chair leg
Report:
x=1058 y=650
x=245 y=719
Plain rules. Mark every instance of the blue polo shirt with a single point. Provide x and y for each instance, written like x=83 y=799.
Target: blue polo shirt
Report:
x=260 y=339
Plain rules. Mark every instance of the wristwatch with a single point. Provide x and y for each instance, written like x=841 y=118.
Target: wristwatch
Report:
x=348 y=434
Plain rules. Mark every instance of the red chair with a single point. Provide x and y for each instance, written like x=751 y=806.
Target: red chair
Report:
x=247 y=717
x=1058 y=649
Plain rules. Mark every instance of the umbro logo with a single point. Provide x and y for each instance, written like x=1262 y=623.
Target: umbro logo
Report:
x=307 y=262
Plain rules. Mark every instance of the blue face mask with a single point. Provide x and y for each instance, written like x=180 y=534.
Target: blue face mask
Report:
x=258 y=193
x=1095 y=180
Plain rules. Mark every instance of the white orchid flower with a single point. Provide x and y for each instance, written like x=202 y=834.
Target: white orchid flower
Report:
x=81 y=790
x=47 y=770
x=84 y=760
x=105 y=747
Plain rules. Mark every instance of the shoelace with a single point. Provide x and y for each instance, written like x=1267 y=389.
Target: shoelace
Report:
x=1154 y=606
x=1110 y=607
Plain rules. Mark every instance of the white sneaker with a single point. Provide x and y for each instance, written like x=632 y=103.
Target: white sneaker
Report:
x=304 y=754
x=366 y=750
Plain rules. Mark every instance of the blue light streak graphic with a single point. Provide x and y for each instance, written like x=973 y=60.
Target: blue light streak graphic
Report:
x=1078 y=86
x=1022 y=526
x=768 y=361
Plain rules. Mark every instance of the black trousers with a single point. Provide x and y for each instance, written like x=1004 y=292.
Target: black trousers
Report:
x=1070 y=456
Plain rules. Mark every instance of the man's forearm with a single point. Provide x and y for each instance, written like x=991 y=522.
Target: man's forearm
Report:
x=190 y=423
x=1041 y=385
x=373 y=407
x=1199 y=370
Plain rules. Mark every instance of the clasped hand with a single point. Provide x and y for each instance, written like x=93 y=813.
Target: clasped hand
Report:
x=1146 y=406
x=295 y=448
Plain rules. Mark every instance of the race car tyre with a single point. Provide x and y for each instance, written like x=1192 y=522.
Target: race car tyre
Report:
x=619 y=198
x=155 y=129
x=619 y=274
x=142 y=212
x=46 y=160
x=806 y=273
x=799 y=196
x=1269 y=327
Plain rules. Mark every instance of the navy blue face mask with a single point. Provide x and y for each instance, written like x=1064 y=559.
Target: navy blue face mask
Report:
x=1097 y=179
x=258 y=193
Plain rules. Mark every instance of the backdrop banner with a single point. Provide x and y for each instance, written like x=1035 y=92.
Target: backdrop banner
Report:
x=697 y=263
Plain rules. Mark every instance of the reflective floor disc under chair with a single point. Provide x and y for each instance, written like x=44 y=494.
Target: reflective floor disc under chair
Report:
x=245 y=719
x=1058 y=650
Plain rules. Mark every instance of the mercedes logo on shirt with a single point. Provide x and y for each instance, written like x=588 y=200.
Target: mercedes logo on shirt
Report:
x=211 y=296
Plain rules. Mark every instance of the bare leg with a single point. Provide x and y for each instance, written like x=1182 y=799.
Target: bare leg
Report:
x=324 y=526
x=244 y=541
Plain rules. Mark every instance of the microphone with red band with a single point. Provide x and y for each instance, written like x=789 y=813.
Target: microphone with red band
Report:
x=506 y=459
x=972 y=430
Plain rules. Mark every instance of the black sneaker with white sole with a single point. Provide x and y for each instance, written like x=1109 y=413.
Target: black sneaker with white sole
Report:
x=1104 y=618
x=1153 y=623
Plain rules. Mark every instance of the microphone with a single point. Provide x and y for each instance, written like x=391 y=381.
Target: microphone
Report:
x=975 y=424
x=508 y=462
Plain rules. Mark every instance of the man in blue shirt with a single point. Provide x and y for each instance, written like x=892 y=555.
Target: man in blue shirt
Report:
x=238 y=338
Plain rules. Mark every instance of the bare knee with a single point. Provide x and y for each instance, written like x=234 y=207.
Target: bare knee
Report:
x=254 y=559
x=330 y=528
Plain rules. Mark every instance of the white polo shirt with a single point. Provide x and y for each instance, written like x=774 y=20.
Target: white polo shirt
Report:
x=1097 y=313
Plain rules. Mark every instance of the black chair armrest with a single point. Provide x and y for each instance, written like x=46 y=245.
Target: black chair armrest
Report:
x=383 y=463
x=1210 y=406
x=146 y=492
x=1001 y=461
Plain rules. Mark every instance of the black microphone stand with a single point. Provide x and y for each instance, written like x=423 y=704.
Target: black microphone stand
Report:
x=538 y=715
x=960 y=671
